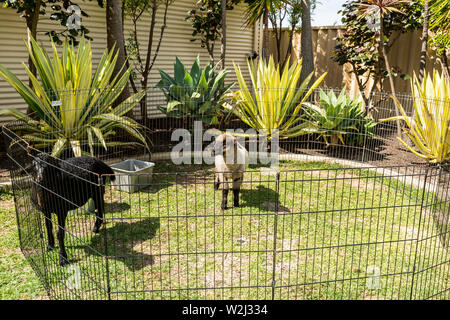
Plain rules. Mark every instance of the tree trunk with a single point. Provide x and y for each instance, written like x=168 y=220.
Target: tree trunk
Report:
x=266 y=35
x=223 y=48
x=306 y=42
x=32 y=19
x=361 y=90
x=289 y=48
x=389 y=71
x=444 y=62
x=423 y=52
x=210 y=49
x=277 y=33
x=144 y=79
x=115 y=39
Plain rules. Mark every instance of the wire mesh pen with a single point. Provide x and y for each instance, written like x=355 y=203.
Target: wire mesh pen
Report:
x=332 y=221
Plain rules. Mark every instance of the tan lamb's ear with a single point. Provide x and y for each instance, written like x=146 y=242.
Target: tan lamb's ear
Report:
x=214 y=132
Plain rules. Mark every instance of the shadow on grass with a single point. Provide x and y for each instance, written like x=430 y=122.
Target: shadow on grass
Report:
x=263 y=198
x=123 y=237
x=116 y=206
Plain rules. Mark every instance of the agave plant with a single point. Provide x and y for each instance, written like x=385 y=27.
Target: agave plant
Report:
x=428 y=128
x=73 y=107
x=199 y=93
x=274 y=103
x=340 y=119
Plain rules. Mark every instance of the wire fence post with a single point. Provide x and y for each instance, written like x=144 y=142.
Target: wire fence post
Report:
x=342 y=201
x=108 y=283
x=275 y=227
x=418 y=233
x=439 y=225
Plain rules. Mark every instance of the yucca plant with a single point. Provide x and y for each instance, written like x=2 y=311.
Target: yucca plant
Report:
x=199 y=93
x=340 y=119
x=428 y=128
x=73 y=107
x=274 y=102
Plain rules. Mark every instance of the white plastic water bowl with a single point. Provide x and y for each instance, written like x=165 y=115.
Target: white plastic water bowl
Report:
x=132 y=175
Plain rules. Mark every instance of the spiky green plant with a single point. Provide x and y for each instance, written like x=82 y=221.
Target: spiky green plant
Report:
x=274 y=101
x=73 y=107
x=199 y=93
x=440 y=14
x=429 y=127
x=340 y=119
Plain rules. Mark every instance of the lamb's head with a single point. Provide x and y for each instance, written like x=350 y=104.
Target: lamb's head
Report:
x=226 y=145
x=44 y=167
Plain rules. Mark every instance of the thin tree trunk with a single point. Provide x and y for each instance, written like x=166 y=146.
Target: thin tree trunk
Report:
x=280 y=38
x=115 y=39
x=161 y=34
x=133 y=85
x=224 y=32
x=361 y=89
x=278 y=33
x=445 y=66
x=210 y=49
x=423 y=52
x=306 y=42
x=266 y=35
x=144 y=78
x=389 y=71
x=289 y=48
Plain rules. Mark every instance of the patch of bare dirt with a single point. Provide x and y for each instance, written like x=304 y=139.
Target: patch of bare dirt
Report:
x=349 y=178
x=6 y=204
x=358 y=182
x=273 y=206
x=41 y=298
x=370 y=297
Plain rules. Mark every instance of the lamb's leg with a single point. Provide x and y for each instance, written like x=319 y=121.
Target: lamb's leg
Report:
x=216 y=182
x=49 y=227
x=99 y=206
x=236 y=197
x=220 y=179
x=224 y=198
x=60 y=235
x=236 y=189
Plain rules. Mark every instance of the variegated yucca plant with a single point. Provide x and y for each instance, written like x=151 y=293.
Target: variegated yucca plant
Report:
x=274 y=101
x=73 y=107
x=428 y=129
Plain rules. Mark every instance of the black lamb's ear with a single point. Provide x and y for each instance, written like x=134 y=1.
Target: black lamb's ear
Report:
x=28 y=169
x=49 y=159
x=54 y=161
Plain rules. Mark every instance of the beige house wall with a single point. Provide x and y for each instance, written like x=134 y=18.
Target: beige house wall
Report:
x=241 y=40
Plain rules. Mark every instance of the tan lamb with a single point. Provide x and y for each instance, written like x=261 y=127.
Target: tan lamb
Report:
x=231 y=162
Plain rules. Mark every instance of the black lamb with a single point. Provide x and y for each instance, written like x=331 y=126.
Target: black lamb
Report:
x=60 y=186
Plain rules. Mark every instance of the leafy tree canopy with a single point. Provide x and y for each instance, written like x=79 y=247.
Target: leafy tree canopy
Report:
x=359 y=43
x=206 y=20
x=57 y=11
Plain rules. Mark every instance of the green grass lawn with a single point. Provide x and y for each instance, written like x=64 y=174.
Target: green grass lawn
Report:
x=320 y=233
x=17 y=279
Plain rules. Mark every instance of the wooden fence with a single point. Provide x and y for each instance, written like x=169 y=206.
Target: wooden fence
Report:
x=405 y=54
